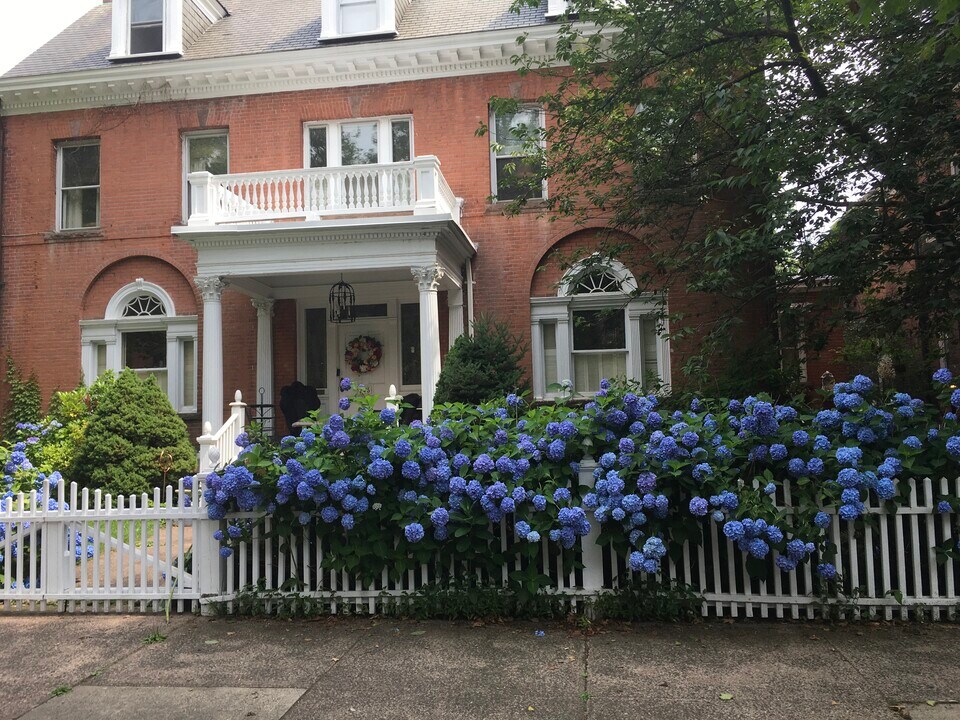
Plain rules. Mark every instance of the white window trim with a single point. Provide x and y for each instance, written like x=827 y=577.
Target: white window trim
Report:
x=494 y=156
x=333 y=127
x=59 y=210
x=185 y=162
x=109 y=332
x=559 y=310
x=172 y=31
x=555 y=8
x=330 y=30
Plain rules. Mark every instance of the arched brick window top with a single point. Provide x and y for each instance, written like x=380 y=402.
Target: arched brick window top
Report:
x=597 y=275
x=140 y=299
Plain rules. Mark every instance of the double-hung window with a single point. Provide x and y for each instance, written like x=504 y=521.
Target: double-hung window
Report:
x=78 y=185
x=597 y=328
x=514 y=172
x=358 y=16
x=207 y=150
x=146 y=26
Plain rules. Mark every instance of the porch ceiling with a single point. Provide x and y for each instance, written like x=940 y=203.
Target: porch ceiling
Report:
x=260 y=258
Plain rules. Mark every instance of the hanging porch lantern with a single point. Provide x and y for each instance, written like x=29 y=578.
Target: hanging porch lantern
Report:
x=341 y=301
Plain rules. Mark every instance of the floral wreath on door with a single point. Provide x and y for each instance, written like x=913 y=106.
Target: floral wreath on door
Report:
x=363 y=354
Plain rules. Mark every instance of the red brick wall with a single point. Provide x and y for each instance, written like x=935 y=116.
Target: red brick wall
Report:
x=51 y=281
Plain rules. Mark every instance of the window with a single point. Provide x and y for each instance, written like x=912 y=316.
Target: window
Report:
x=358 y=142
x=597 y=328
x=358 y=16
x=142 y=331
x=599 y=347
x=146 y=26
x=410 y=341
x=204 y=151
x=514 y=174
x=793 y=357
x=78 y=180
x=348 y=18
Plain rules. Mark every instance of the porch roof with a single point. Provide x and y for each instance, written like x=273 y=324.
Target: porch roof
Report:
x=271 y=259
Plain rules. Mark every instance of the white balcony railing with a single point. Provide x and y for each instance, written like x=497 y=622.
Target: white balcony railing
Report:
x=417 y=187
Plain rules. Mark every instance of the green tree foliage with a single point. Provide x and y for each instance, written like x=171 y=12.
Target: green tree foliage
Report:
x=732 y=134
x=24 y=400
x=134 y=440
x=483 y=366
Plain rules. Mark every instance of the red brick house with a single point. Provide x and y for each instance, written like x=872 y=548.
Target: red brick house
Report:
x=185 y=181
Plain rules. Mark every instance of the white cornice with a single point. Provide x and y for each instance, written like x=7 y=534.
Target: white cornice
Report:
x=327 y=66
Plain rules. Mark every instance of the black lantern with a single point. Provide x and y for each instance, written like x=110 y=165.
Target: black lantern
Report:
x=342 y=299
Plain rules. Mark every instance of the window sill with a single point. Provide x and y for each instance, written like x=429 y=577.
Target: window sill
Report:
x=165 y=55
x=74 y=235
x=358 y=37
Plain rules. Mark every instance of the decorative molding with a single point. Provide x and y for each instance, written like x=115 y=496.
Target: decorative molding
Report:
x=211 y=287
x=139 y=286
x=428 y=277
x=263 y=306
x=326 y=66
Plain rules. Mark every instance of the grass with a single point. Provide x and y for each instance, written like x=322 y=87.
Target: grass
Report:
x=60 y=690
x=154 y=638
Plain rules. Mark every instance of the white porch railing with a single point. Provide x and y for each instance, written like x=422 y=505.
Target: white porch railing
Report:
x=220 y=448
x=417 y=187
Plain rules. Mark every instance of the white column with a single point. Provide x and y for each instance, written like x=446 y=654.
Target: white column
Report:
x=455 y=315
x=264 y=307
x=211 y=288
x=564 y=371
x=428 y=280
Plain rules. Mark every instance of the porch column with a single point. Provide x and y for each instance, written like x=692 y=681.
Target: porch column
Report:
x=455 y=308
x=211 y=288
x=264 y=308
x=428 y=279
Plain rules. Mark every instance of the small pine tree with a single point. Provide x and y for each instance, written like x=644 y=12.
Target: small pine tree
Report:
x=134 y=439
x=24 y=401
x=483 y=366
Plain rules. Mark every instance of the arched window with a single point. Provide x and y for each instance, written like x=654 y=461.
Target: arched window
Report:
x=142 y=331
x=597 y=327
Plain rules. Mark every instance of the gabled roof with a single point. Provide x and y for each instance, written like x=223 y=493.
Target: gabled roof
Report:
x=265 y=26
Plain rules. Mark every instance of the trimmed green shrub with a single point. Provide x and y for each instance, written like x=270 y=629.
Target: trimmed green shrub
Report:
x=134 y=440
x=483 y=366
x=23 y=404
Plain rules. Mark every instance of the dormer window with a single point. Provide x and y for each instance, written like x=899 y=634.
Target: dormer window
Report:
x=357 y=18
x=146 y=26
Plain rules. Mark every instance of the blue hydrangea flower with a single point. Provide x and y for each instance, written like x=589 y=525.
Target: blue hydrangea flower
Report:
x=698 y=506
x=770 y=489
x=733 y=529
x=539 y=503
x=913 y=442
x=944 y=506
x=345 y=385
x=821 y=520
x=388 y=416
x=413 y=532
x=943 y=376
x=953 y=446
x=827 y=571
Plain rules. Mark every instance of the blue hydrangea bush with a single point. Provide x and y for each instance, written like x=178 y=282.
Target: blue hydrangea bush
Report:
x=21 y=475
x=380 y=496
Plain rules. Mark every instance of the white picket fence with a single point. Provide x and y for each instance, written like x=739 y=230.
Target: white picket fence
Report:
x=153 y=553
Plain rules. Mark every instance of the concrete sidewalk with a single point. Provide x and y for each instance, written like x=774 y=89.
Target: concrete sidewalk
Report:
x=100 y=667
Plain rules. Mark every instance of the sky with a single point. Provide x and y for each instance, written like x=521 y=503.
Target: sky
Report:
x=25 y=25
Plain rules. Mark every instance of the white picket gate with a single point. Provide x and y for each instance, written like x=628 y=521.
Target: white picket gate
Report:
x=157 y=552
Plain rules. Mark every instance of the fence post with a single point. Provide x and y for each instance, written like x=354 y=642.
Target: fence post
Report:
x=239 y=407
x=592 y=552
x=206 y=549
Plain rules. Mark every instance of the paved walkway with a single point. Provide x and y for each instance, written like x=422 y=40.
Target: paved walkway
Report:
x=100 y=667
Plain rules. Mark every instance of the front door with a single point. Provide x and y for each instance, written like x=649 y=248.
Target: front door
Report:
x=366 y=338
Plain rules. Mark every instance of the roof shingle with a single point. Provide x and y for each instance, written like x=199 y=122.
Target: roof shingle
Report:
x=262 y=26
